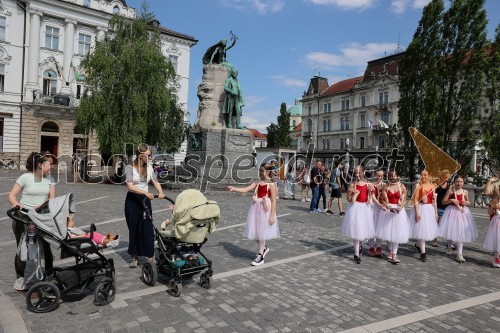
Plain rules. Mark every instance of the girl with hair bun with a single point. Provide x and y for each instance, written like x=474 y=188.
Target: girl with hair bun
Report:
x=492 y=241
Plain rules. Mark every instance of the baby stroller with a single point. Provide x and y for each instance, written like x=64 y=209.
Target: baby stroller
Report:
x=177 y=253
x=49 y=222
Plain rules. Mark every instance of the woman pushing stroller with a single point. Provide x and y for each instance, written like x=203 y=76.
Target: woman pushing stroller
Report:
x=140 y=226
x=261 y=222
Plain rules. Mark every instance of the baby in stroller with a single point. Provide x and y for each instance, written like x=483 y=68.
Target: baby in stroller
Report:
x=108 y=240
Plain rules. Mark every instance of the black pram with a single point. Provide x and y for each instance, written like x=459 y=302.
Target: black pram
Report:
x=50 y=222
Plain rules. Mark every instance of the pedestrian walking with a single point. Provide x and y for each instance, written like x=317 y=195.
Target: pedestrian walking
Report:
x=140 y=226
x=261 y=224
x=322 y=181
x=304 y=181
x=423 y=216
x=393 y=225
x=35 y=188
x=358 y=221
x=336 y=188
x=314 y=184
x=457 y=223
x=290 y=181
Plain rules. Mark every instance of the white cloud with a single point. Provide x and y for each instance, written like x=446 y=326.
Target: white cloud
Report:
x=251 y=101
x=420 y=3
x=399 y=6
x=345 y=4
x=288 y=81
x=260 y=6
x=259 y=120
x=353 y=54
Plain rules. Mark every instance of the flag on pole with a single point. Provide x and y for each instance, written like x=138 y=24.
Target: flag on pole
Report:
x=370 y=124
x=382 y=124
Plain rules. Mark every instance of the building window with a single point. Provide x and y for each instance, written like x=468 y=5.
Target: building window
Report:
x=86 y=3
x=362 y=142
x=327 y=107
x=1 y=134
x=343 y=143
x=116 y=10
x=329 y=125
x=383 y=97
x=326 y=144
x=49 y=83
x=84 y=44
x=385 y=116
x=381 y=142
x=342 y=125
x=50 y=126
x=345 y=104
x=325 y=125
x=294 y=122
x=309 y=126
x=346 y=123
x=173 y=60
x=2 y=77
x=309 y=110
x=363 y=101
x=78 y=91
x=52 y=38
x=362 y=121
x=3 y=25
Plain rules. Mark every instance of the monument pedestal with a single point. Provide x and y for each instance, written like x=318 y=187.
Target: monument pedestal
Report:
x=216 y=156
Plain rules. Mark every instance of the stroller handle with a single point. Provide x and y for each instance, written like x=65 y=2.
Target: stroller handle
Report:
x=166 y=198
x=11 y=212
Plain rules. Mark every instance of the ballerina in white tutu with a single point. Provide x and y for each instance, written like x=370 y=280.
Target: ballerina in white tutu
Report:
x=393 y=225
x=261 y=223
x=492 y=241
x=457 y=223
x=375 y=244
x=423 y=216
x=358 y=221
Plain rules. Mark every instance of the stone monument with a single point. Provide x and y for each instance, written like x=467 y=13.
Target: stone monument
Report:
x=219 y=148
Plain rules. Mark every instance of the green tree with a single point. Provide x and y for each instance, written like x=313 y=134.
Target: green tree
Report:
x=491 y=122
x=417 y=81
x=128 y=100
x=279 y=135
x=462 y=77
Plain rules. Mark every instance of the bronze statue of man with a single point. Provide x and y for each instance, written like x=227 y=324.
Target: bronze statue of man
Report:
x=233 y=100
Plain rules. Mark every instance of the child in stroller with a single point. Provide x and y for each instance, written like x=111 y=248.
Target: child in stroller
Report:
x=50 y=223
x=178 y=254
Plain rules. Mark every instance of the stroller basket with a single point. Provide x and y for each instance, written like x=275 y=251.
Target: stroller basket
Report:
x=73 y=275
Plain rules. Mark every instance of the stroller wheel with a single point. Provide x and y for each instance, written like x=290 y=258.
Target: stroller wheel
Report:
x=105 y=292
x=149 y=274
x=205 y=281
x=175 y=288
x=43 y=297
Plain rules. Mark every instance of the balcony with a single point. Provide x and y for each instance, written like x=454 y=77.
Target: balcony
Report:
x=307 y=134
x=380 y=128
x=55 y=99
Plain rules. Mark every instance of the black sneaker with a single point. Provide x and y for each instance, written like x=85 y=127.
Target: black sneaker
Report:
x=357 y=259
x=417 y=247
x=259 y=260
x=328 y=212
x=360 y=250
x=266 y=251
x=341 y=213
x=423 y=257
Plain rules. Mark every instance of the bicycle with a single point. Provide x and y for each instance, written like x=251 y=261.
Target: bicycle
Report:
x=8 y=163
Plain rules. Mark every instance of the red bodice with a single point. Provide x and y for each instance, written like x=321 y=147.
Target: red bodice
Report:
x=261 y=191
x=430 y=195
x=363 y=193
x=393 y=197
x=459 y=197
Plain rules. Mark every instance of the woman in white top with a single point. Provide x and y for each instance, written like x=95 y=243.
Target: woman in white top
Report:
x=140 y=225
x=35 y=188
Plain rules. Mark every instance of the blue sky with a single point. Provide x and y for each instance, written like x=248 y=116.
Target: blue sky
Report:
x=282 y=42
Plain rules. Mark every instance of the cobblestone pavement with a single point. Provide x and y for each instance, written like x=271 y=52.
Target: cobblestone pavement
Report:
x=308 y=283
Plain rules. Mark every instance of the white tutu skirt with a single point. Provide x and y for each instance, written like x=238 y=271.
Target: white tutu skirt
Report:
x=427 y=228
x=257 y=226
x=457 y=225
x=393 y=227
x=358 y=222
x=492 y=241
x=376 y=212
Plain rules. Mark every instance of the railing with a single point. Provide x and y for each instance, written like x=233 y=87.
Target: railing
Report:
x=56 y=99
x=307 y=134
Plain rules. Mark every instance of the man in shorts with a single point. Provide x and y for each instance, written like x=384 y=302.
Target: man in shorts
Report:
x=335 y=185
